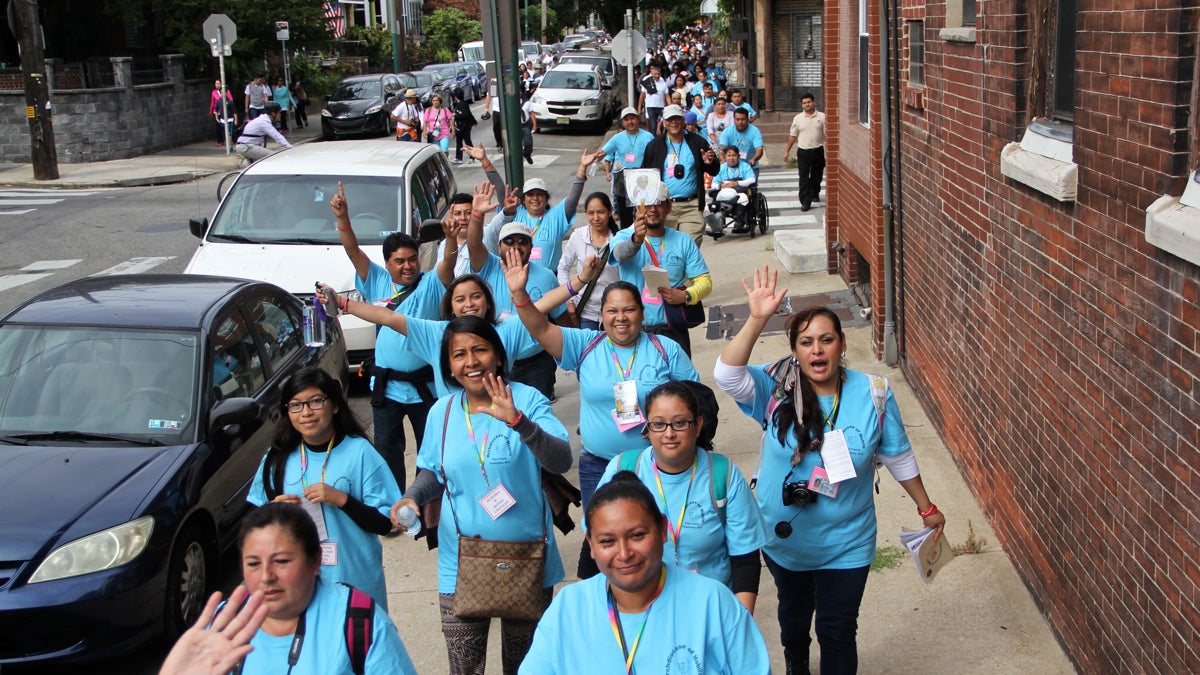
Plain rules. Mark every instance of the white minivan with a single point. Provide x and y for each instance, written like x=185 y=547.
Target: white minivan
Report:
x=574 y=94
x=274 y=224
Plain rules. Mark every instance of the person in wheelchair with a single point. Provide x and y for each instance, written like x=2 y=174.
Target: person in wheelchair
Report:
x=729 y=198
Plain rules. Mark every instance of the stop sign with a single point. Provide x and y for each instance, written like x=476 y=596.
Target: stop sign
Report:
x=219 y=28
x=621 y=43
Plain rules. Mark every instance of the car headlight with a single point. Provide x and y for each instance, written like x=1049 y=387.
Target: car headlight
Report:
x=95 y=552
x=373 y=109
x=537 y=99
x=325 y=112
x=592 y=101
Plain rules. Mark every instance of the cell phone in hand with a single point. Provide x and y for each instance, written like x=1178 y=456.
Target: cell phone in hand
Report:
x=331 y=303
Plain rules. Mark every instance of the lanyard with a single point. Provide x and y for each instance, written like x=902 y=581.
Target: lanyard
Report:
x=619 y=633
x=831 y=418
x=399 y=294
x=677 y=151
x=676 y=530
x=662 y=243
x=623 y=372
x=304 y=462
x=480 y=449
x=293 y=651
x=633 y=143
x=537 y=226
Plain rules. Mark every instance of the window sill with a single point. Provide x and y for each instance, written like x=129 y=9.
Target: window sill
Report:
x=1049 y=176
x=965 y=34
x=1174 y=227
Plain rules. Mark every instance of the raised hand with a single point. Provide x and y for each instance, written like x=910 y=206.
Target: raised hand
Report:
x=484 y=198
x=512 y=199
x=476 y=152
x=591 y=269
x=218 y=640
x=761 y=297
x=502 y=407
x=338 y=203
x=516 y=273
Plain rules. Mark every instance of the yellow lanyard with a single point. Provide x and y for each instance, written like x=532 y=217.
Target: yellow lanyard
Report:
x=675 y=531
x=304 y=462
x=481 y=450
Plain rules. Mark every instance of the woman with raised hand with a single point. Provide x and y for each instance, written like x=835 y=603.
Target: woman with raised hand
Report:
x=713 y=524
x=616 y=366
x=826 y=427
x=584 y=243
x=481 y=457
x=641 y=614
x=307 y=630
x=321 y=460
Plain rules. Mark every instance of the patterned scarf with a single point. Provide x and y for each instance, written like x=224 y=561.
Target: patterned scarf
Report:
x=786 y=373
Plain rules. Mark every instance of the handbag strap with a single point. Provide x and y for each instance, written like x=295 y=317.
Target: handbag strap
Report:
x=446 y=480
x=591 y=285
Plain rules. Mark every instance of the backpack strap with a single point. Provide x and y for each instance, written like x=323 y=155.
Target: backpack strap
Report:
x=360 y=613
x=588 y=350
x=629 y=460
x=879 y=393
x=718 y=484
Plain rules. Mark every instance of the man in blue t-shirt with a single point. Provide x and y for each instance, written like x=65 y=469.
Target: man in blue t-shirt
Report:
x=401 y=384
x=625 y=151
x=682 y=159
x=738 y=100
x=745 y=137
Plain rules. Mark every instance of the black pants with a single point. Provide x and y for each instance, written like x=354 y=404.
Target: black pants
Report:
x=389 y=433
x=302 y=113
x=496 y=129
x=527 y=140
x=811 y=166
x=536 y=371
x=461 y=138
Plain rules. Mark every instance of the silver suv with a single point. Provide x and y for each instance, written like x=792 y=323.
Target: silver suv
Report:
x=574 y=94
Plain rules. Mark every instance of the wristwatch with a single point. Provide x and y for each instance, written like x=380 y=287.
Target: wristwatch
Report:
x=687 y=297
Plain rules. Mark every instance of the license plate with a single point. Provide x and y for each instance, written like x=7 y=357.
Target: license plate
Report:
x=564 y=120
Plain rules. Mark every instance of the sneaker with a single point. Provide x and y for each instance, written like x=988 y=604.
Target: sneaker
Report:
x=456 y=161
x=529 y=159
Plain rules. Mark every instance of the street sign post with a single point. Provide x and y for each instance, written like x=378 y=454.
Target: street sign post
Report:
x=629 y=48
x=283 y=35
x=220 y=32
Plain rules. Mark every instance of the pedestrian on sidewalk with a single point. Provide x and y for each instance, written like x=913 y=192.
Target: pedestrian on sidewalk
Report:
x=464 y=121
x=221 y=109
x=438 y=123
x=822 y=421
x=300 y=94
x=257 y=94
x=283 y=96
x=408 y=117
x=808 y=134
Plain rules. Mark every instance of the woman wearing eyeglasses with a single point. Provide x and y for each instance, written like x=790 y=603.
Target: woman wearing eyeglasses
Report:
x=321 y=460
x=718 y=540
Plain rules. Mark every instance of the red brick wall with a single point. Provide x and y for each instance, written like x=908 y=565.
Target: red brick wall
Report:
x=1055 y=350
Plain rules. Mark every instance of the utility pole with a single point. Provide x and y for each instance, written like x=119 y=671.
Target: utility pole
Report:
x=37 y=91
x=400 y=60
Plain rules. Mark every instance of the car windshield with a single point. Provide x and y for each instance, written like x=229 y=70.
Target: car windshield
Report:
x=587 y=60
x=73 y=381
x=356 y=90
x=529 y=48
x=425 y=79
x=407 y=80
x=266 y=208
x=563 y=79
x=444 y=71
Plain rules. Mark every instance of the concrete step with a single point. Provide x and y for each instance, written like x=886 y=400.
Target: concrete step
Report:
x=801 y=251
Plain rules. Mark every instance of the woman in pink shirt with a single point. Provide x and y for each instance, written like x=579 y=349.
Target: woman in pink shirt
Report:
x=224 y=115
x=438 y=123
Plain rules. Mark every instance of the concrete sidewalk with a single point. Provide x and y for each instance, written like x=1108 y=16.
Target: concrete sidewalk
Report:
x=176 y=165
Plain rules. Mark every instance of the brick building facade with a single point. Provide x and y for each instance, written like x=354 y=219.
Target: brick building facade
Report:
x=1047 y=285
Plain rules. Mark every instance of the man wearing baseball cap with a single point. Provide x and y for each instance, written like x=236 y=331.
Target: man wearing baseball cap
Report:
x=408 y=117
x=682 y=158
x=547 y=225
x=625 y=150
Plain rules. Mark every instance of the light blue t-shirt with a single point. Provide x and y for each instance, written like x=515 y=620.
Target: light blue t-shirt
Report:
x=676 y=253
x=626 y=149
x=705 y=545
x=742 y=171
x=541 y=281
x=508 y=462
x=548 y=233
x=745 y=105
x=422 y=303
x=696 y=626
x=745 y=141
x=679 y=187
x=836 y=533
x=356 y=468
x=598 y=373
x=323 y=651
x=425 y=340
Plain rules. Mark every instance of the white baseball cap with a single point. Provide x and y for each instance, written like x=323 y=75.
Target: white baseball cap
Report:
x=672 y=111
x=513 y=228
x=535 y=184
x=629 y=111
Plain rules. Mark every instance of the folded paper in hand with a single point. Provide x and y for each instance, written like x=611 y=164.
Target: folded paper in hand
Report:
x=929 y=555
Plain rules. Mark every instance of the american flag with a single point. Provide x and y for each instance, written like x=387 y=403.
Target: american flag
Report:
x=335 y=18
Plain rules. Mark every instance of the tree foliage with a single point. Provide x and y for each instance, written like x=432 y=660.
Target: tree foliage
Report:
x=447 y=28
x=554 y=29
x=375 y=43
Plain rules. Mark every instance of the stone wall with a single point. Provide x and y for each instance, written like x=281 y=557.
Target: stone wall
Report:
x=126 y=120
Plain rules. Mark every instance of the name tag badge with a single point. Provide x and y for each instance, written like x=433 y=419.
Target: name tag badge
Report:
x=672 y=158
x=329 y=553
x=626 y=412
x=380 y=303
x=629 y=159
x=535 y=253
x=819 y=482
x=313 y=509
x=497 y=501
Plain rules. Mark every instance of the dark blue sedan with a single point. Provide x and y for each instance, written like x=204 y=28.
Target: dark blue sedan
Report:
x=134 y=411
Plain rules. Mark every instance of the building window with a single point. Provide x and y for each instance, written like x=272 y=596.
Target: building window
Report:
x=864 y=66
x=960 y=21
x=1062 y=105
x=916 y=53
x=968 y=12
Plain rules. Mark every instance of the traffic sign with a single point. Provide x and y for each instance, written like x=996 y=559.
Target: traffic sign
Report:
x=628 y=42
x=281 y=30
x=219 y=28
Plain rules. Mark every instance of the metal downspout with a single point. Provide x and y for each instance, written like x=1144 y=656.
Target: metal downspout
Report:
x=890 y=355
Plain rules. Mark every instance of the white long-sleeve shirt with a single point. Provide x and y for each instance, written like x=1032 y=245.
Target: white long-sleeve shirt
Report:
x=258 y=130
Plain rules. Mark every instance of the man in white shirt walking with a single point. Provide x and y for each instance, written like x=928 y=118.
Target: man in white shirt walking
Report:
x=808 y=133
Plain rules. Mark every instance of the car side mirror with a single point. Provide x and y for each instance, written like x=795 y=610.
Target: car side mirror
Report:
x=198 y=226
x=232 y=411
x=431 y=230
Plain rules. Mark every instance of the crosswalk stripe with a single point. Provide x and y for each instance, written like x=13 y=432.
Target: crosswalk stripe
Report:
x=25 y=192
x=16 y=213
x=29 y=202
x=134 y=266
x=13 y=280
x=42 y=265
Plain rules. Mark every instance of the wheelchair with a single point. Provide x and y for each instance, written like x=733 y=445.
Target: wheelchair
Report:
x=753 y=219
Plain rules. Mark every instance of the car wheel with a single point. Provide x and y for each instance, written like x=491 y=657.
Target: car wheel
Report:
x=189 y=580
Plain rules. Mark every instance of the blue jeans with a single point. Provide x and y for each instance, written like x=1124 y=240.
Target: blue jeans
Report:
x=835 y=596
x=588 y=324
x=591 y=468
x=389 y=433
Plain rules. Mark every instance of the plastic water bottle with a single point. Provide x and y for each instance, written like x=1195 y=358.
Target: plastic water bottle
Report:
x=408 y=518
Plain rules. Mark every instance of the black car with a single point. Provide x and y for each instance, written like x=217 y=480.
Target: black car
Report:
x=361 y=106
x=459 y=78
x=430 y=83
x=134 y=412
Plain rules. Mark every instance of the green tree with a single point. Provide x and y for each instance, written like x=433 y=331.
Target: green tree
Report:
x=447 y=28
x=554 y=29
x=375 y=43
